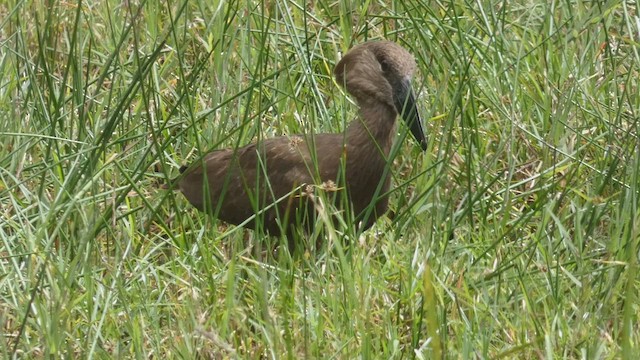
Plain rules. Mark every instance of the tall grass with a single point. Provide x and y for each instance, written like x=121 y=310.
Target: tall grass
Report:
x=514 y=236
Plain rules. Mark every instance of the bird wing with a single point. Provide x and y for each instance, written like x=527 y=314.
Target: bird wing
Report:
x=233 y=183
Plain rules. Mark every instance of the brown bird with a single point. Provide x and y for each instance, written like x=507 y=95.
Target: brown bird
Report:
x=271 y=178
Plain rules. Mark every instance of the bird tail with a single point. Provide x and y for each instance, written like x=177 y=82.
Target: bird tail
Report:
x=172 y=184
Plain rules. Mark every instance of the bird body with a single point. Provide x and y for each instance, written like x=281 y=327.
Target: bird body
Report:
x=269 y=178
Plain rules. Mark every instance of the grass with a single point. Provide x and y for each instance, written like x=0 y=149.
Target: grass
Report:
x=515 y=235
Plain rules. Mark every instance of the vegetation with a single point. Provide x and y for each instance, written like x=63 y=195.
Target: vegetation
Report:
x=514 y=236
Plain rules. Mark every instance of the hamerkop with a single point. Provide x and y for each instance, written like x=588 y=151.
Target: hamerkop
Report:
x=269 y=180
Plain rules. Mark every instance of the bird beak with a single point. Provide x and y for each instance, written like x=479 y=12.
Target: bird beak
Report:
x=405 y=104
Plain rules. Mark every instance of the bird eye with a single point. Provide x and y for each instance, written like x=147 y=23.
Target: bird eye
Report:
x=384 y=65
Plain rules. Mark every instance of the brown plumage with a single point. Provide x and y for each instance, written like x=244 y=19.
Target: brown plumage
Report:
x=235 y=184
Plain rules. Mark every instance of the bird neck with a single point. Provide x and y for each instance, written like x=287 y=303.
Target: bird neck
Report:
x=369 y=140
x=373 y=130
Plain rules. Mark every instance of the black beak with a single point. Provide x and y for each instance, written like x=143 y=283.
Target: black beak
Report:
x=405 y=104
